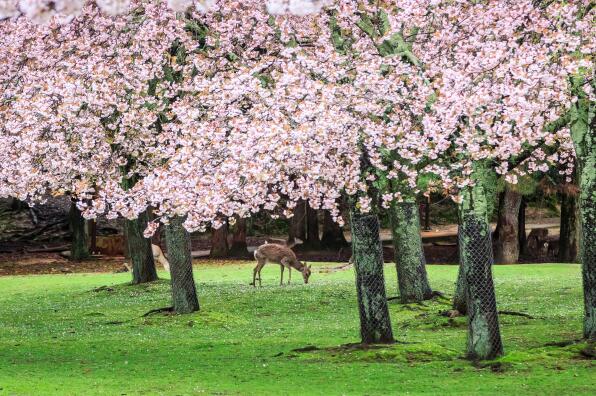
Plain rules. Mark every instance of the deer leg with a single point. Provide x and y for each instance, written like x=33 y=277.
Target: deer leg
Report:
x=281 y=281
x=257 y=271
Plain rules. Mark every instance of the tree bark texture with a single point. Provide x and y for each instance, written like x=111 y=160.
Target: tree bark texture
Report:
x=569 y=229
x=298 y=223
x=139 y=249
x=584 y=140
x=409 y=254
x=219 y=242
x=79 y=248
x=375 y=324
x=312 y=229
x=184 y=293
x=476 y=255
x=459 y=298
x=239 y=246
x=521 y=228
x=507 y=241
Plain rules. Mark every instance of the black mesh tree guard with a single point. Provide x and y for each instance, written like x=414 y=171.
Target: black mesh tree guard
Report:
x=375 y=324
x=410 y=262
x=184 y=294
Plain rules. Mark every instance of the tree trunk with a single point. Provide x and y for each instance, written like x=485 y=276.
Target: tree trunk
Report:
x=184 y=293
x=507 y=246
x=239 y=247
x=460 y=296
x=584 y=140
x=569 y=230
x=409 y=254
x=333 y=234
x=298 y=223
x=312 y=229
x=521 y=228
x=484 y=338
x=79 y=248
x=139 y=249
x=375 y=324
x=219 y=242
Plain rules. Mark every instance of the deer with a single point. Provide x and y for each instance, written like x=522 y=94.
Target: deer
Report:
x=282 y=255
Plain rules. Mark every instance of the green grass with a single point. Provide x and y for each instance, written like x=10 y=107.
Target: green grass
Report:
x=57 y=336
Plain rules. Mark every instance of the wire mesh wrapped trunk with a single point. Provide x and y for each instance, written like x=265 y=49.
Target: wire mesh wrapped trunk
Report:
x=409 y=254
x=139 y=249
x=79 y=249
x=375 y=324
x=459 y=298
x=476 y=255
x=184 y=293
x=584 y=140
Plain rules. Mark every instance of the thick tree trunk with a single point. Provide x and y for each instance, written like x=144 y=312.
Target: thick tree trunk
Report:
x=409 y=254
x=79 y=248
x=312 y=229
x=184 y=293
x=139 y=249
x=521 y=228
x=507 y=246
x=476 y=255
x=584 y=139
x=375 y=324
x=333 y=234
x=239 y=246
x=569 y=229
x=219 y=242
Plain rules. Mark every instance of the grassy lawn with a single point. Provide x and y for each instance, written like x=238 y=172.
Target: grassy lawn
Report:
x=58 y=336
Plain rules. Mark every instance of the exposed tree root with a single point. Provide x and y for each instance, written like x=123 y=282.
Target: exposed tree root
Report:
x=513 y=313
x=158 y=310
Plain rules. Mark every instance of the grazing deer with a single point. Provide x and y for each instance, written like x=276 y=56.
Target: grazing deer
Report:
x=278 y=254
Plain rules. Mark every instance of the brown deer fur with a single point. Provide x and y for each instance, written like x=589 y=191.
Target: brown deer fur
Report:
x=278 y=254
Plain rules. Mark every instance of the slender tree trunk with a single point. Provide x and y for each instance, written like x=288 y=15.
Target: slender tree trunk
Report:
x=184 y=294
x=409 y=254
x=333 y=235
x=312 y=227
x=79 y=248
x=507 y=246
x=139 y=249
x=375 y=324
x=219 y=242
x=239 y=246
x=92 y=227
x=521 y=228
x=476 y=255
x=584 y=139
x=569 y=229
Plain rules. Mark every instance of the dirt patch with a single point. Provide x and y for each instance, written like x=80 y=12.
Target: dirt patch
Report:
x=53 y=263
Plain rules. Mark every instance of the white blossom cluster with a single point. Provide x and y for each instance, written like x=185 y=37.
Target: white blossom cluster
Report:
x=41 y=11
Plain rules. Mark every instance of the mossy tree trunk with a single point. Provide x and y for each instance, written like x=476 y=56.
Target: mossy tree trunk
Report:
x=139 y=249
x=219 y=242
x=409 y=254
x=584 y=139
x=476 y=255
x=333 y=235
x=507 y=246
x=569 y=229
x=184 y=293
x=79 y=247
x=375 y=324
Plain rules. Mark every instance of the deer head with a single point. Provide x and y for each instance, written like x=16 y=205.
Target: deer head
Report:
x=305 y=272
